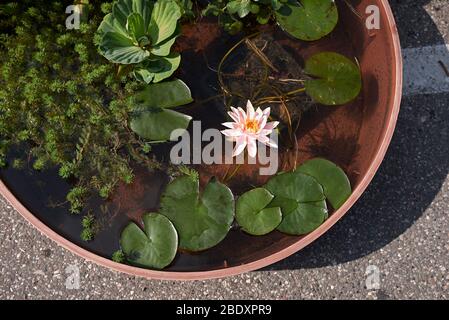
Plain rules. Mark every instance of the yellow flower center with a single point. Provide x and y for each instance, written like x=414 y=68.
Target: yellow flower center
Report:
x=252 y=125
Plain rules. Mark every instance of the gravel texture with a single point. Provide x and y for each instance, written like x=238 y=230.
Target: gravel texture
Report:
x=399 y=227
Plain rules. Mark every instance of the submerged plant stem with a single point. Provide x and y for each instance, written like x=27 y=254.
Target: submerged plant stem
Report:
x=228 y=177
x=222 y=61
x=260 y=54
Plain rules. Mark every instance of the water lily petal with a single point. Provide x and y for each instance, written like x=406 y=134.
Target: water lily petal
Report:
x=263 y=139
x=270 y=143
x=267 y=111
x=235 y=111
x=259 y=114
x=239 y=146
x=271 y=125
x=242 y=130
x=262 y=123
x=249 y=110
x=234 y=116
x=243 y=116
x=230 y=125
x=231 y=133
x=252 y=147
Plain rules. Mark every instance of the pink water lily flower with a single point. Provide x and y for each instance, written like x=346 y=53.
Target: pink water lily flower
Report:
x=248 y=128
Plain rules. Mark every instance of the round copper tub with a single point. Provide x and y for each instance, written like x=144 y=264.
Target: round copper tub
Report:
x=378 y=52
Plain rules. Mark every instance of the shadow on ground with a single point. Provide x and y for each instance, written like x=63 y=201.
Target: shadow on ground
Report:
x=410 y=176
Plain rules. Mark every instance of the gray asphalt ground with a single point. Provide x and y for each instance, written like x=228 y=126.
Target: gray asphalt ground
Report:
x=400 y=226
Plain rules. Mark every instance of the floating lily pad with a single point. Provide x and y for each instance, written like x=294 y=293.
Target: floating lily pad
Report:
x=336 y=185
x=338 y=79
x=308 y=19
x=167 y=94
x=252 y=214
x=202 y=220
x=153 y=247
x=304 y=219
x=301 y=199
x=157 y=124
x=152 y=119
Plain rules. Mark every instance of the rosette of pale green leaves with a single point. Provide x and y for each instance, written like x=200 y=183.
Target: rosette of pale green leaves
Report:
x=141 y=33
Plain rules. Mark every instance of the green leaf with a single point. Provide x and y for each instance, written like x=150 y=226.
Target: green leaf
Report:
x=336 y=185
x=135 y=26
x=254 y=8
x=211 y=9
x=186 y=8
x=164 y=20
x=143 y=75
x=123 y=8
x=163 y=48
x=155 y=246
x=151 y=119
x=304 y=219
x=167 y=94
x=110 y=24
x=159 y=69
x=309 y=19
x=158 y=124
x=338 y=79
x=172 y=62
x=229 y=24
x=252 y=214
x=276 y=4
x=138 y=29
x=241 y=7
x=301 y=199
x=120 y=49
x=264 y=15
x=203 y=220
x=295 y=186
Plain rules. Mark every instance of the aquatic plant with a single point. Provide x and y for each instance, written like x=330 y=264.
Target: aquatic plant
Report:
x=141 y=33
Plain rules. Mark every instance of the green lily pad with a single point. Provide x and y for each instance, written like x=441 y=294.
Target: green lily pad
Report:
x=295 y=186
x=167 y=94
x=309 y=19
x=157 y=124
x=301 y=199
x=153 y=247
x=202 y=220
x=252 y=214
x=338 y=79
x=152 y=119
x=304 y=219
x=336 y=185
